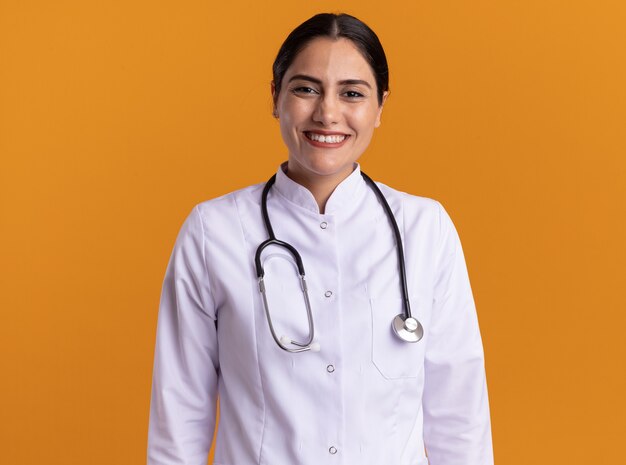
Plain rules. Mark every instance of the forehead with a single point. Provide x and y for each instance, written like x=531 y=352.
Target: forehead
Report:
x=331 y=60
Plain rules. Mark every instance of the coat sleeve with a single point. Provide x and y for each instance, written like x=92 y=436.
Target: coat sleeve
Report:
x=185 y=373
x=457 y=427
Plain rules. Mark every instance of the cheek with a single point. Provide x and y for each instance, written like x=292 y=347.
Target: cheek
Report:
x=290 y=118
x=293 y=111
x=286 y=132
x=364 y=120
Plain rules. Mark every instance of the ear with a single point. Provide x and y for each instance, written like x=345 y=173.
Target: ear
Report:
x=274 y=96
x=380 y=109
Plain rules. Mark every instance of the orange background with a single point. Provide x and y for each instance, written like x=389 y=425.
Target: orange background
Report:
x=117 y=117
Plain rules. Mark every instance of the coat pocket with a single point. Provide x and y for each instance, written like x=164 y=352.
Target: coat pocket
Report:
x=393 y=357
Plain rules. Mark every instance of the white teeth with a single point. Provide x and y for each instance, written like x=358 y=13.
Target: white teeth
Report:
x=334 y=139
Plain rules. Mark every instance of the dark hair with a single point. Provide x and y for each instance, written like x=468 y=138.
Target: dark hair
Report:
x=334 y=27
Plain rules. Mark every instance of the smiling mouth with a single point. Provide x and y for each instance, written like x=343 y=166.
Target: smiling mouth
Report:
x=330 y=139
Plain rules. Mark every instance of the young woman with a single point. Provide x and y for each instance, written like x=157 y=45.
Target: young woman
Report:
x=332 y=316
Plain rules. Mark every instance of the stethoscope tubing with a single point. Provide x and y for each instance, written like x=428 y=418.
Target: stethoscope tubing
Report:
x=399 y=247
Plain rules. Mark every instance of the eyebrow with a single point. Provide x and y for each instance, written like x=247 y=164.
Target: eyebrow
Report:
x=305 y=77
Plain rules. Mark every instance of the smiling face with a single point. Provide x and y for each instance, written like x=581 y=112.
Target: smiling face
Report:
x=328 y=109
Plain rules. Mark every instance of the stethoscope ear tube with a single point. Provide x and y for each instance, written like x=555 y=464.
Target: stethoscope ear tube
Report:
x=283 y=342
x=260 y=272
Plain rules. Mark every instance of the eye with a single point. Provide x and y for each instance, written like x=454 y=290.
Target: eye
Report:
x=353 y=94
x=303 y=90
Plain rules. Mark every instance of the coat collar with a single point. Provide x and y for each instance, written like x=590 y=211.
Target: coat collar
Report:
x=343 y=197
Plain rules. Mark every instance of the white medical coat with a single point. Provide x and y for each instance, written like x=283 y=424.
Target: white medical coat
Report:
x=366 y=398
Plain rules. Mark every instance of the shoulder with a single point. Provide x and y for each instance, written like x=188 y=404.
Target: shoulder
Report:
x=216 y=212
x=227 y=204
x=419 y=211
x=412 y=204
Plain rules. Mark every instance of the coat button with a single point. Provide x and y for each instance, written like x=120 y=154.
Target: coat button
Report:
x=323 y=225
x=328 y=293
x=332 y=450
x=330 y=368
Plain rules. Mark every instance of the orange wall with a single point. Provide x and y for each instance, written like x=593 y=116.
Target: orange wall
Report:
x=117 y=117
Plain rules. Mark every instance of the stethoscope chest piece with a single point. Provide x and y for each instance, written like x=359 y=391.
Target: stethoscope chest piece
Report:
x=409 y=329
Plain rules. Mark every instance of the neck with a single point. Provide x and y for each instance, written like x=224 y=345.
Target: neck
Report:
x=321 y=186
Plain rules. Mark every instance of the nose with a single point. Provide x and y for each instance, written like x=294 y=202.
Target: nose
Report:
x=327 y=111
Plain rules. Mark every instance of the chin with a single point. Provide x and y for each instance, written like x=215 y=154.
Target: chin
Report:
x=328 y=167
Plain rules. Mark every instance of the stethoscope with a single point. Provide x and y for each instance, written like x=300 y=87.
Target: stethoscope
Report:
x=407 y=327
